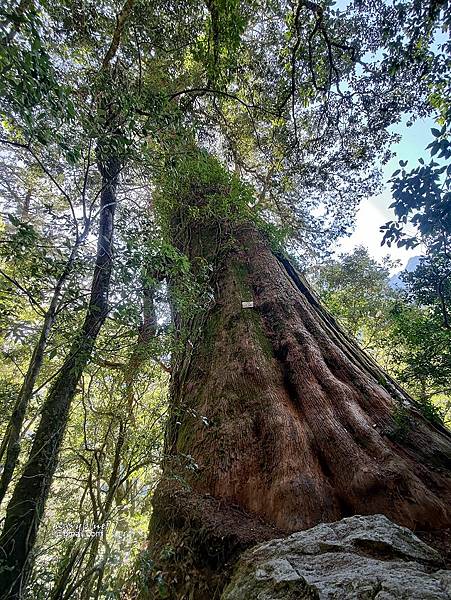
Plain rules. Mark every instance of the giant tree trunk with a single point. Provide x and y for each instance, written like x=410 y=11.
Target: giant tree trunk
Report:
x=279 y=421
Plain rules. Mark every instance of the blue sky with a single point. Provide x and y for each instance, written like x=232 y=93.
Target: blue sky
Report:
x=374 y=211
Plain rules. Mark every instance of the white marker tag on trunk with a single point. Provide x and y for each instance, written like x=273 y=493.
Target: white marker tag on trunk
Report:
x=247 y=304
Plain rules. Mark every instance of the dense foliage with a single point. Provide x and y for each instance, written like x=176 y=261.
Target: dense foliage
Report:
x=288 y=106
x=401 y=327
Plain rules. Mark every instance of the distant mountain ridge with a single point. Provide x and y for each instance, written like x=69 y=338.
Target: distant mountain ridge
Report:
x=395 y=281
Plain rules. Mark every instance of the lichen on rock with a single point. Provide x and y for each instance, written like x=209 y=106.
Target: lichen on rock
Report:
x=360 y=557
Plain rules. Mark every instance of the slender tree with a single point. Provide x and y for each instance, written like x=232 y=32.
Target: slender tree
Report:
x=26 y=507
x=130 y=370
x=27 y=503
x=10 y=446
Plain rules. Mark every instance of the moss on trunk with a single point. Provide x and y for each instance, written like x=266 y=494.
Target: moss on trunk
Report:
x=280 y=421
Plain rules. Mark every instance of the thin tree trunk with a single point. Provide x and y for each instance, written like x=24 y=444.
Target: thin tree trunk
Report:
x=11 y=440
x=279 y=421
x=130 y=371
x=26 y=506
x=25 y=210
x=75 y=554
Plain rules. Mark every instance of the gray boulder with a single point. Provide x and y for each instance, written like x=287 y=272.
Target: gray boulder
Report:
x=361 y=557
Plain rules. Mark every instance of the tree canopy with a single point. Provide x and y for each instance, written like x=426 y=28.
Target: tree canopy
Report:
x=280 y=113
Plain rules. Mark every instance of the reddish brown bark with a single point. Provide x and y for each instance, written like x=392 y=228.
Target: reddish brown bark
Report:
x=287 y=420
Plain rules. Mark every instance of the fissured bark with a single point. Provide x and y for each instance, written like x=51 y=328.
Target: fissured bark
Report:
x=279 y=417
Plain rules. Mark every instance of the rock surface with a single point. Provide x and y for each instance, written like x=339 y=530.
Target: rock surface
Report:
x=361 y=557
